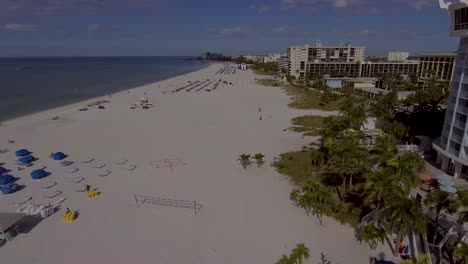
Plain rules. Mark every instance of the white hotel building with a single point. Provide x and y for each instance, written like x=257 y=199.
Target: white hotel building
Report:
x=452 y=146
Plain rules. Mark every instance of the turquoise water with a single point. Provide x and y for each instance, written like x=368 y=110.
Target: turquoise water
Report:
x=29 y=85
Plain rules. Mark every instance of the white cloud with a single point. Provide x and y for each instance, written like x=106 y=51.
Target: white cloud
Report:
x=19 y=27
x=93 y=27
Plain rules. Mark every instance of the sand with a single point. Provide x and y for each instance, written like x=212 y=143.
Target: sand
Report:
x=246 y=215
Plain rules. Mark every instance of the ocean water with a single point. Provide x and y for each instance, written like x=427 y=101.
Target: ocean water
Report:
x=29 y=85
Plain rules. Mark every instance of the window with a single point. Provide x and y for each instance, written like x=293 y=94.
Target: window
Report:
x=461 y=19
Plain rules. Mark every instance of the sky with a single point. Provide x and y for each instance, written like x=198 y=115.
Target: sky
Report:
x=231 y=27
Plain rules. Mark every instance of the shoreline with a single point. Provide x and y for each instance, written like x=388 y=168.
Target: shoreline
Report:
x=66 y=107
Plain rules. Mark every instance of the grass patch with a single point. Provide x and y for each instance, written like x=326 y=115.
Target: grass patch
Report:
x=304 y=98
x=308 y=125
x=267 y=82
x=298 y=167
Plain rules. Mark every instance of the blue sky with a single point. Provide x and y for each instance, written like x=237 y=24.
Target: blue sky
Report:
x=190 y=27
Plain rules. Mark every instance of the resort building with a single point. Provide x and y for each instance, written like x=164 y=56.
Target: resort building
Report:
x=452 y=146
x=398 y=56
x=283 y=63
x=372 y=69
x=439 y=65
x=332 y=68
x=300 y=56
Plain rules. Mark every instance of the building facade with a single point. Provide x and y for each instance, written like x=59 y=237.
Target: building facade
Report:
x=398 y=56
x=283 y=63
x=300 y=56
x=452 y=146
x=372 y=69
x=438 y=65
x=271 y=58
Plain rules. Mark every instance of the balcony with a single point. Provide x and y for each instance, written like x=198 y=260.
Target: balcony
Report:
x=459 y=124
x=462 y=109
x=453 y=151
x=457 y=138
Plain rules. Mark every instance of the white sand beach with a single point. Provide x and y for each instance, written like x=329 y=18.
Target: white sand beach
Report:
x=246 y=215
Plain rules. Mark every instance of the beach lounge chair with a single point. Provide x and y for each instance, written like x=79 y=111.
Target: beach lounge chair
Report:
x=48 y=185
x=100 y=166
x=88 y=160
x=66 y=163
x=58 y=202
x=72 y=170
x=82 y=189
x=130 y=167
x=52 y=194
x=75 y=179
x=3 y=151
x=104 y=173
x=24 y=200
x=121 y=162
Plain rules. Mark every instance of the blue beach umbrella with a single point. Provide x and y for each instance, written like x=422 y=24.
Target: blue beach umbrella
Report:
x=444 y=177
x=7 y=178
x=22 y=152
x=2 y=170
x=26 y=159
x=9 y=188
x=59 y=156
x=38 y=174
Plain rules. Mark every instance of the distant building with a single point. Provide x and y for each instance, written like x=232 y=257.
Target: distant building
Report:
x=398 y=56
x=301 y=56
x=271 y=58
x=254 y=58
x=439 y=65
x=283 y=63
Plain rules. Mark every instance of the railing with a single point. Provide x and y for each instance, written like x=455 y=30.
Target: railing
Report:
x=460 y=124
x=462 y=109
x=457 y=138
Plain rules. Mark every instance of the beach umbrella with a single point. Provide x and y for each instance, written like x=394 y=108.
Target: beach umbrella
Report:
x=21 y=152
x=424 y=177
x=2 y=170
x=449 y=189
x=26 y=159
x=38 y=174
x=9 y=188
x=58 y=156
x=7 y=178
x=446 y=182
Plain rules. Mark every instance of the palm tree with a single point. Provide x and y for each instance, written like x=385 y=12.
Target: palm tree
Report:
x=244 y=160
x=384 y=149
x=378 y=186
x=259 y=159
x=437 y=201
x=405 y=167
x=284 y=260
x=299 y=253
x=404 y=215
x=372 y=235
x=317 y=197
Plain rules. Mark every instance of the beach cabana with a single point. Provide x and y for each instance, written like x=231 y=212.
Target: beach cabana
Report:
x=38 y=174
x=5 y=179
x=143 y=100
x=9 y=188
x=26 y=159
x=21 y=152
x=58 y=156
x=8 y=222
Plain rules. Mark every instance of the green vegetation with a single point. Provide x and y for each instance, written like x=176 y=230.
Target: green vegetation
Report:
x=244 y=160
x=308 y=125
x=304 y=98
x=269 y=68
x=259 y=159
x=268 y=82
x=297 y=256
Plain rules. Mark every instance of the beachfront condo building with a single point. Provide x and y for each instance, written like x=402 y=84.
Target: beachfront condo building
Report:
x=373 y=69
x=300 y=56
x=398 y=56
x=452 y=146
x=439 y=65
